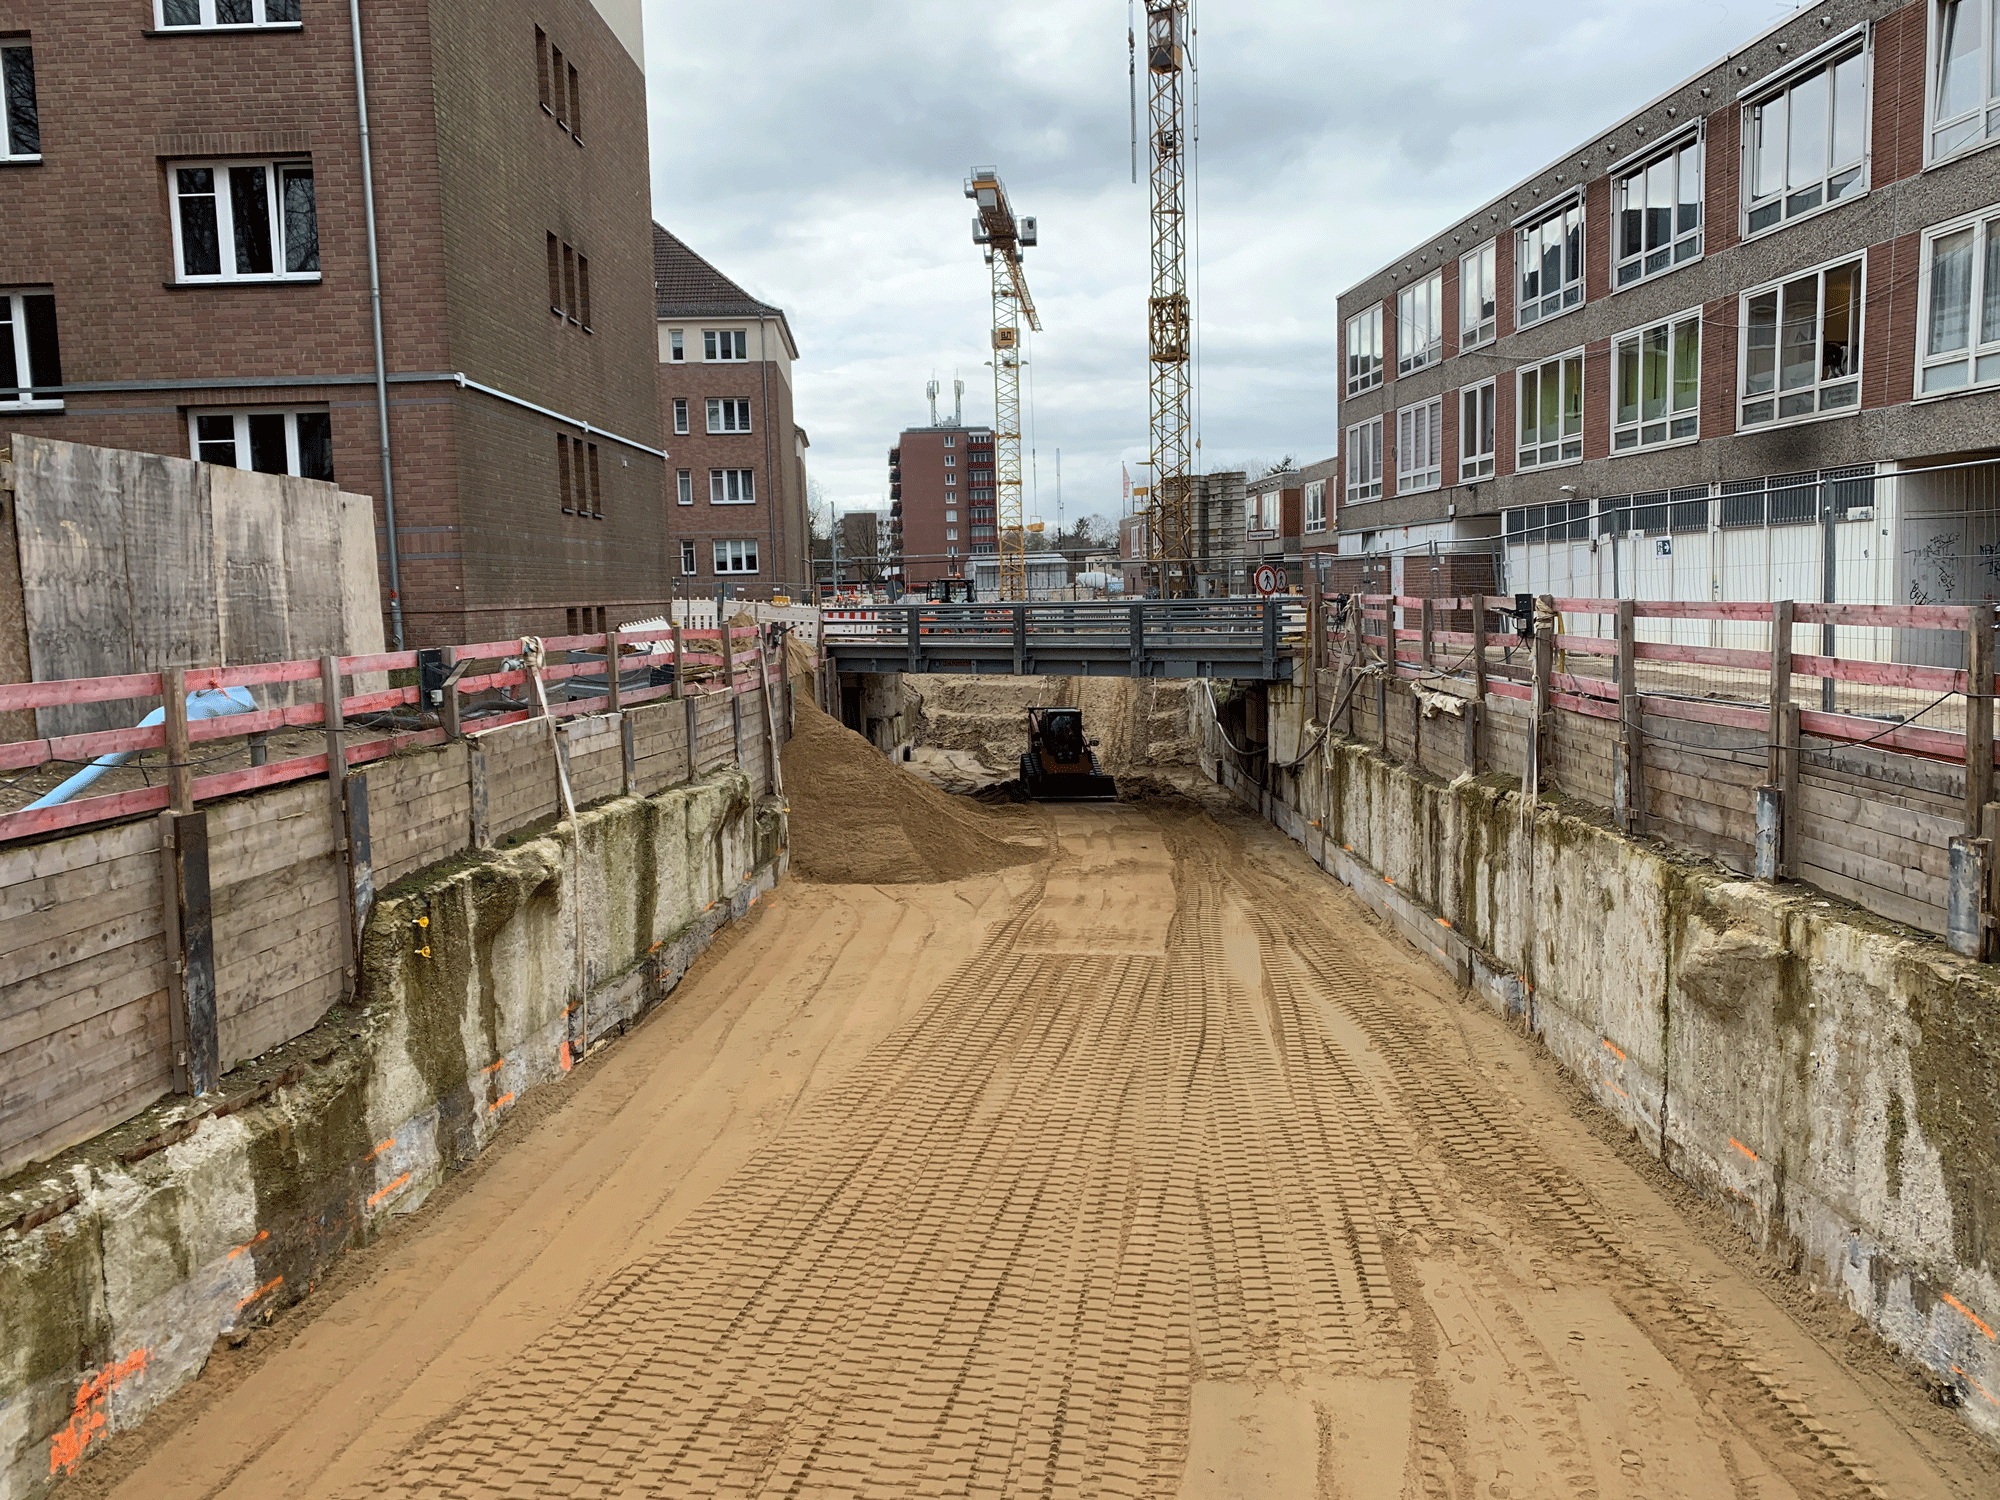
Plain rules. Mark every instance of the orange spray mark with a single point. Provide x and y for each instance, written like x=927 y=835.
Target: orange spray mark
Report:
x=87 y=1417
x=1613 y=1050
x=495 y=1066
x=563 y=1057
x=1970 y=1316
x=270 y=1285
x=380 y=1147
x=388 y=1190
x=1745 y=1149
x=1975 y=1385
x=1616 y=1090
x=257 y=1239
x=499 y=1104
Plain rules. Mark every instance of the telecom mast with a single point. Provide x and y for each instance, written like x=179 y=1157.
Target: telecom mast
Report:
x=1170 y=507
x=1004 y=240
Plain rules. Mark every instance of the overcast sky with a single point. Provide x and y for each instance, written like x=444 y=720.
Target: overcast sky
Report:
x=817 y=154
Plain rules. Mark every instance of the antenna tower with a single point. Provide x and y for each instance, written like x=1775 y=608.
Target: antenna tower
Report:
x=1170 y=507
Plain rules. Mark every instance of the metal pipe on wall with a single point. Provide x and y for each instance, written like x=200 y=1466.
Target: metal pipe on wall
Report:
x=770 y=475
x=375 y=309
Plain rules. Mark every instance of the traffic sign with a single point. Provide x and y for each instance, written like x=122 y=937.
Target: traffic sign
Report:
x=1268 y=580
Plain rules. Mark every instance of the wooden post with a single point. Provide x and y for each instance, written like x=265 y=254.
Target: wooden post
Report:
x=336 y=787
x=728 y=653
x=1631 y=777
x=1978 y=716
x=1426 y=647
x=1479 y=648
x=693 y=703
x=191 y=950
x=611 y=683
x=360 y=857
x=451 y=710
x=1538 y=706
x=770 y=722
x=1788 y=790
x=1781 y=684
x=482 y=832
x=1354 y=648
x=180 y=752
x=680 y=664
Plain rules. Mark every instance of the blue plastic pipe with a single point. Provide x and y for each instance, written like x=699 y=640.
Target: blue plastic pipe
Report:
x=209 y=703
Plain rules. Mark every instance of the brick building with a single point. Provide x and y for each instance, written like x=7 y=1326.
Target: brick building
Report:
x=941 y=489
x=185 y=269
x=1742 y=344
x=739 y=476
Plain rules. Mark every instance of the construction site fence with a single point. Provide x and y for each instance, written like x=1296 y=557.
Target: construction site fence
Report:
x=150 y=937
x=1794 y=751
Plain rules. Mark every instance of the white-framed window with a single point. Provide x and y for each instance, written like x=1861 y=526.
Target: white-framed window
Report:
x=732 y=486
x=21 y=140
x=1420 y=323
x=950 y=442
x=950 y=461
x=1315 y=506
x=1806 y=142
x=1478 y=295
x=1657 y=209
x=736 y=557
x=1801 y=353
x=684 y=486
x=1548 y=263
x=726 y=344
x=30 y=354
x=688 y=564
x=982 y=531
x=680 y=416
x=212 y=14
x=951 y=533
x=1420 y=446
x=1550 y=402
x=244 y=221
x=1958 y=339
x=977 y=495
x=1364 y=461
x=267 y=442
x=1478 y=430
x=1364 y=350
x=677 y=345
x=725 y=415
x=951 y=515
x=1963 y=103
x=1656 y=384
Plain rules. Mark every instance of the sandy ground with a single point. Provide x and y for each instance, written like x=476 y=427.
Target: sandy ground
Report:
x=1153 y=1170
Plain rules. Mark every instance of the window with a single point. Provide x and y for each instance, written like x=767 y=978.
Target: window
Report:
x=684 y=486
x=1807 y=142
x=1478 y=431
x=982 y=531
x=1656 y=397
x=213 y=13
x=1364 y=461
x=596 y=492
x=1315 y=506
x=1550 y=402
x=725 y=345
x=1479 y=295
x=736 y=557
x=1960 y=337
x=1802 y=346
x=680 y=416
x=23 y=139
x=1965 y=89
x=564 y=477
x=1566 y=521
x=542 y=68
x=732 y=486
x=1420 y=323
x=677 y=346
x=559 y=79
x=1364 y=351
x=1548 y=258
x=268 y=442
x=728 y=416
x=977 y=495
x=569 y=300
x=950 y=461
x=555 y=276
x=951 y=515
x=687 y=559
x=950 y=442
x=1659 y=214
x=30 y=357
x=245 y=221
x=583 y=291
x=1420 y=446
x=951 y=533
x=575 y=105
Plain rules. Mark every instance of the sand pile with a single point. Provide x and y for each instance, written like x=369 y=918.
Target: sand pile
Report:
x=858 y=818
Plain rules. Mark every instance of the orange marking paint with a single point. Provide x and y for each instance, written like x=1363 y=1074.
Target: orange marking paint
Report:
x=267 y=1286
x=495 y=1066
x=1616 y=1090
x=1975 y=1385
x=256 y=1239
x=1613 y=1050
x=499 y=1104
x=1442 y=922
x=87 y=1418
x=1970 y=1316
x=388 y=1190
x=1387 y=881
x=380 y=1147
x=1745 y=1149
x=563 y=1057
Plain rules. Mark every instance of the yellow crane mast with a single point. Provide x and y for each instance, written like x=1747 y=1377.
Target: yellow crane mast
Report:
x=1004 y=238
x=1170 y=506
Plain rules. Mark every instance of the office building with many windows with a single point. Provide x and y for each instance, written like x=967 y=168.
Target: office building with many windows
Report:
x=185 y=268
x=941 y=495
x=1742 y=344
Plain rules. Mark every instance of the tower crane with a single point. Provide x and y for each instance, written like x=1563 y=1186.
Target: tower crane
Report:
x=1170 y=506
x=1004 y=238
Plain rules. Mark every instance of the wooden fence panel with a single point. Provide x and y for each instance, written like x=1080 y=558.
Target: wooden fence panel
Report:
x=521 y=784
x=427 y=800
x=659 y=734
x=715 y=734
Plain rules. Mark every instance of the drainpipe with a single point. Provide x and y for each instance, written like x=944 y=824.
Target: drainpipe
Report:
x=375 y=308
x=770 y=474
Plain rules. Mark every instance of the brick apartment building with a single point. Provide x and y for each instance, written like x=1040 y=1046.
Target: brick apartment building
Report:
x=739 y=478
x=1726 y=348
x=941 y=489
x=184 y=269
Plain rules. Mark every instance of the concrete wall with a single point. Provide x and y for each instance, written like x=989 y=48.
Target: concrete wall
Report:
x=1834 y=1080
x=120 y=1266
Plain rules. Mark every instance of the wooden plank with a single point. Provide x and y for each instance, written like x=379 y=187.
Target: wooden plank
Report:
x=1696 y=711
x=1942 y=743
x=19 y=695
x=1706 y=656
x=1883 y=878
x=94 y=986
x=46 y=940
x=1884 y=616
x=1881 y=674
x=1891 y=905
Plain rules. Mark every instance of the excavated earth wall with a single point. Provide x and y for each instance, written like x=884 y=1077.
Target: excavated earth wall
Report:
x=1832 y=1078
x=124 y=1261
x=1137 y=722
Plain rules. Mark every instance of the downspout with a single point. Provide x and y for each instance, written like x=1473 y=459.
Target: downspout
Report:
x=375 y=308
x=770 y=474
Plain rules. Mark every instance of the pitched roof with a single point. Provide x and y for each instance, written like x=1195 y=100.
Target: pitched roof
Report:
x=685 y=285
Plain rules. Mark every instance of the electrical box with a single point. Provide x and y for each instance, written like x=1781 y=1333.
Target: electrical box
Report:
x=430 y=679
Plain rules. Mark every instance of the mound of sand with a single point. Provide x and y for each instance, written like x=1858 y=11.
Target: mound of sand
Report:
x=858 y=818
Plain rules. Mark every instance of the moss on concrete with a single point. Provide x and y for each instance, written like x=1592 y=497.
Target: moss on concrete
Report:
x=1955 y=1078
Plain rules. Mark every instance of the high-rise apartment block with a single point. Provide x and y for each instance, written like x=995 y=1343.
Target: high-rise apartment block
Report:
x=942 y=479
x=738 y=470
x=188 y=266
x=1742 y=344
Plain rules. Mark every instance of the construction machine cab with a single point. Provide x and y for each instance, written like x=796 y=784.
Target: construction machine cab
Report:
x=1059 y=765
